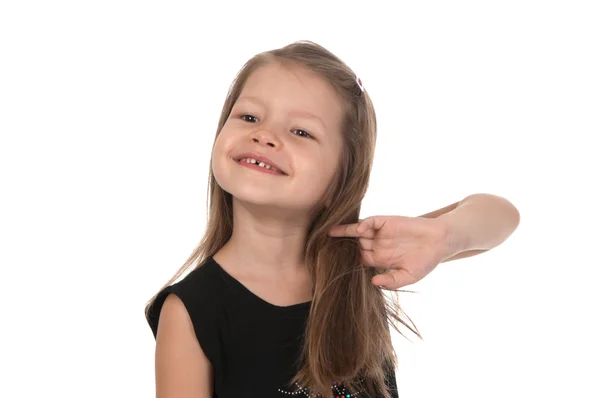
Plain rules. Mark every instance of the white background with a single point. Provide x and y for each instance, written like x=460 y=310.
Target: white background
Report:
x=108 y=111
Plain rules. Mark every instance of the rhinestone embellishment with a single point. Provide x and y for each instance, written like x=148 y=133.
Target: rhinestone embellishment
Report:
x=336 y=391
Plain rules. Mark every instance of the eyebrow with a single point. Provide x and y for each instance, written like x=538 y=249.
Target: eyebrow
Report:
x=304 y=114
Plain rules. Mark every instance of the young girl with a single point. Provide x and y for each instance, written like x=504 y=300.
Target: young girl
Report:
x=274 y=306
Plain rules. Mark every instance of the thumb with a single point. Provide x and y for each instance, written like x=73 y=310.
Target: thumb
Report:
x=394 y=279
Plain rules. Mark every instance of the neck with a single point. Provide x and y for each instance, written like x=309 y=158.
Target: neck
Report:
x=263 y=242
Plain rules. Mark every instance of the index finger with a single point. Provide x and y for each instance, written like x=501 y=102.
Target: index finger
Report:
x=344 y=230
x=352 y=230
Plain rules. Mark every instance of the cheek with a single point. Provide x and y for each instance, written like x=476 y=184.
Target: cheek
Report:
x=329 y=162
x=319 y=174
x=330 y=173
x=222 y=146
x=219 y=155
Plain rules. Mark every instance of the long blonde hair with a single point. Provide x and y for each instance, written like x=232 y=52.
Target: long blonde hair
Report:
x=347 y=335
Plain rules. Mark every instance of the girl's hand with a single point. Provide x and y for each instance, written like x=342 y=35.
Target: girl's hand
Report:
x=410 y=247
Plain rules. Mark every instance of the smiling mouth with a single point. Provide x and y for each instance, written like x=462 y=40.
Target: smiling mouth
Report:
x=256 y=167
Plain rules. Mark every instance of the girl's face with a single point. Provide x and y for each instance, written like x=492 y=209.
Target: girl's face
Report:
x=293 y=117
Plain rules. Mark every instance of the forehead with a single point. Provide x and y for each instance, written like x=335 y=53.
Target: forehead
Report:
x=294 y=88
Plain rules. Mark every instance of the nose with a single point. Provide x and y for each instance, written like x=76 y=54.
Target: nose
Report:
x=265 y=137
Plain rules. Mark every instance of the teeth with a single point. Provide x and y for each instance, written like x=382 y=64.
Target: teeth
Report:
x=261 y=164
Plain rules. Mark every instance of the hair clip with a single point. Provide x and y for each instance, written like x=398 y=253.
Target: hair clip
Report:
x=360 y=85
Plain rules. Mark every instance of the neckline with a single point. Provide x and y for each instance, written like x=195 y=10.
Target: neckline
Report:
x=303 y=305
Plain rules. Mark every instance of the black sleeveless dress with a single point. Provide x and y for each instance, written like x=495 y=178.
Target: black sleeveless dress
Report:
x=251 y=343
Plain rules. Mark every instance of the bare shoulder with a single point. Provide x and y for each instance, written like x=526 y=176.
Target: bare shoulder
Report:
x=181 y=367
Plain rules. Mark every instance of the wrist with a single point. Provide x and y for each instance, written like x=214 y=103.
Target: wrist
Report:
x=453 y=238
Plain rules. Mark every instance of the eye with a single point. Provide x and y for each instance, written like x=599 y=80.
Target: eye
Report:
x=307 y=134
x=252 y=119
x=249 y=116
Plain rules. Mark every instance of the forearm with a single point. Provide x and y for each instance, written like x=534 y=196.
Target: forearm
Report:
x=478 y=223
